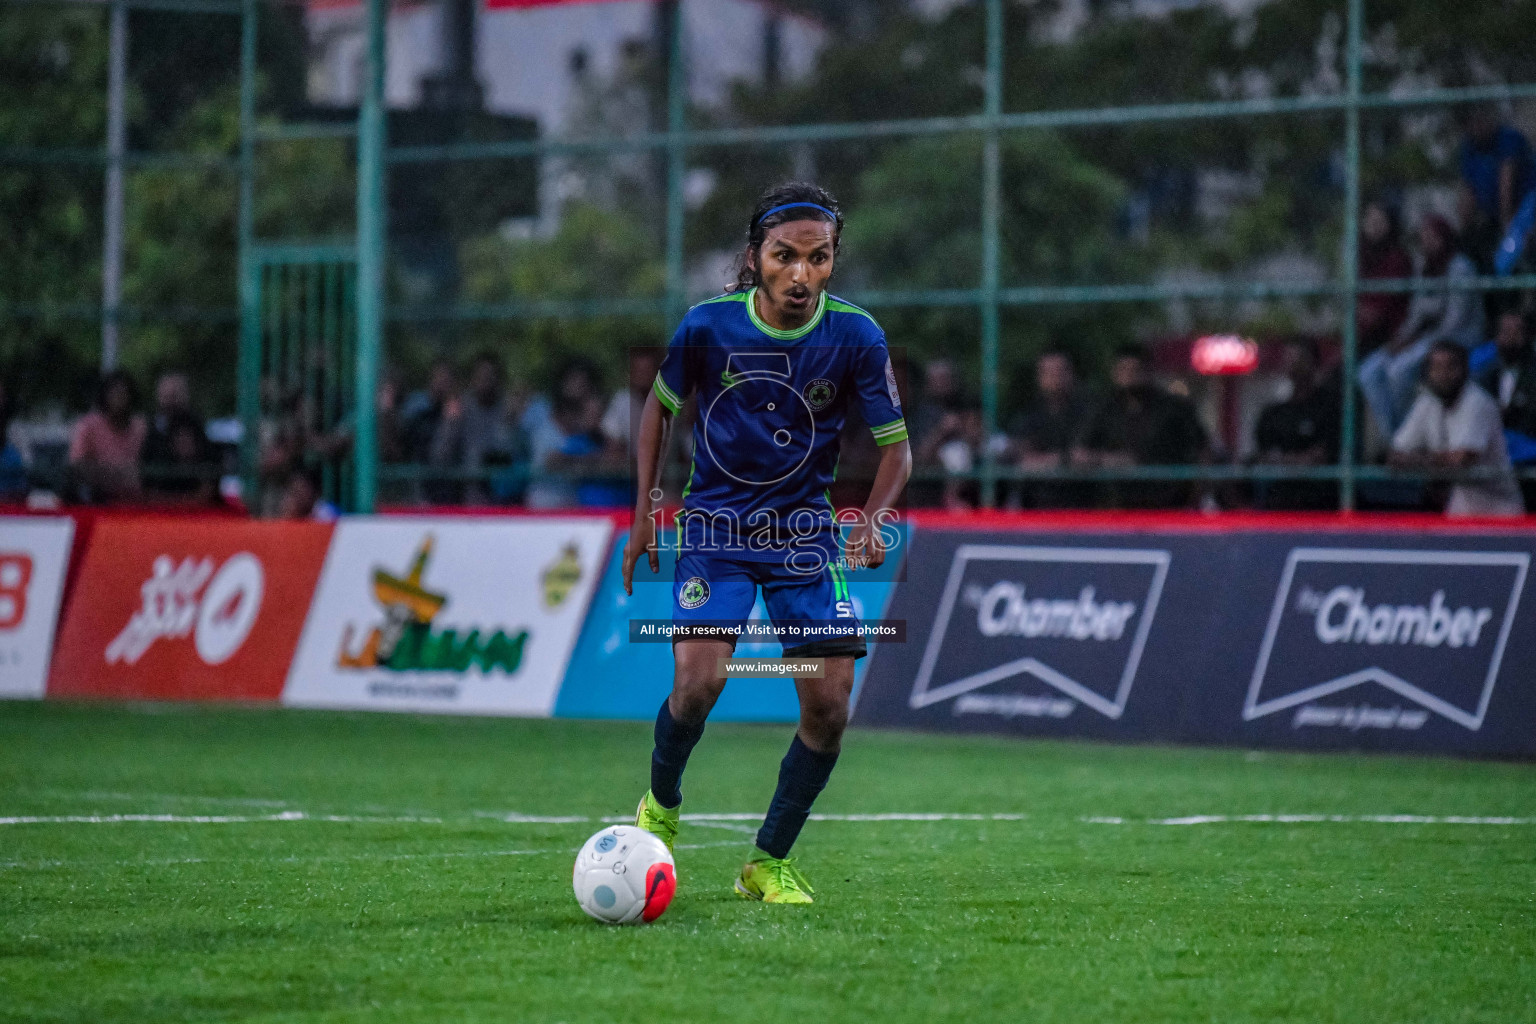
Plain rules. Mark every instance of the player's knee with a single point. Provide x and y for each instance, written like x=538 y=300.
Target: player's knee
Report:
x=824 y=717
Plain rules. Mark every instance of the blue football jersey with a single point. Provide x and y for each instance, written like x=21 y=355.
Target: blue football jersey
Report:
x=771 y=408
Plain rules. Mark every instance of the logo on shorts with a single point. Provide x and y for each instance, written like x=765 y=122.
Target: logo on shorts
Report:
x=695 y=592
x=819 y=393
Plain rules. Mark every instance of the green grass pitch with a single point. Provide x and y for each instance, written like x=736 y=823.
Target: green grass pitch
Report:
x=451 y=913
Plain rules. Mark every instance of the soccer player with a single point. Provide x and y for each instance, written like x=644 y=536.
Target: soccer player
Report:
x=774 y=362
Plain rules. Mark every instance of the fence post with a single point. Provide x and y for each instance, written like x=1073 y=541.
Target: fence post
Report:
x=248 y=377
x=1350 y=258
x=677 y=116
x=991 y=189
x=371 y=243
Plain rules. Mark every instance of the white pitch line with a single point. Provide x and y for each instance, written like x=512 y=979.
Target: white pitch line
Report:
x=208 y=819
x=1292 y=819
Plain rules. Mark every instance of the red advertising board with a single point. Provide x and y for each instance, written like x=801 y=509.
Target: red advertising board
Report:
x=175 y=609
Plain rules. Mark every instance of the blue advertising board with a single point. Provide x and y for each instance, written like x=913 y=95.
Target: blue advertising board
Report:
x=1371 y=640
x=611 y=676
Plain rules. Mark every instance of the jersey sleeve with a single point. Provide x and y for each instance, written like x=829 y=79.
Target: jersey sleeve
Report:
x=674 y=379
x=875 y=381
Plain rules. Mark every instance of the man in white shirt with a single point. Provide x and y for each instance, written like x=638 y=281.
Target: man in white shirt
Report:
x=1454 y=424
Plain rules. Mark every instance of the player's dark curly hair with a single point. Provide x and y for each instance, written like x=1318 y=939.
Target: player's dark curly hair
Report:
x=747 y=274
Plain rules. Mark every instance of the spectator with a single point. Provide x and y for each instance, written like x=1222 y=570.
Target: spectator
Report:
x=1455 y=425
x=107 y=443
x=1496 y=173
x=13 y=468
x=568 y=443
x=184 y=474
x=424 y=411
x=1139 y=424
x=621 y=420
x=1303 y=430
x=1439 y=311
x=301 y=498
x=484 y=436
x=173 y=402
x=1378 y=315
x=1511 y=376
x=1046 y=430
x=946 y=431
x=389 y=423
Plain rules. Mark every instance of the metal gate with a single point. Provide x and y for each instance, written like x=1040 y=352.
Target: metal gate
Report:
x=298 y=357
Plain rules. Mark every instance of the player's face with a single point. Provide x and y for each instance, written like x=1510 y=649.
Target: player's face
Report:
x=794 y=262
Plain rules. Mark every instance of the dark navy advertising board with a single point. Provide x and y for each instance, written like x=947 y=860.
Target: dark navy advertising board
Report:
x=1387 y=641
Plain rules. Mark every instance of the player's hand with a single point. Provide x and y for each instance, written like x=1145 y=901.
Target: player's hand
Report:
x=642 y=540
x=864 y=548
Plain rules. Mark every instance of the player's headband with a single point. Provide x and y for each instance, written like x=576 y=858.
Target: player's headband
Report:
x=793 y=206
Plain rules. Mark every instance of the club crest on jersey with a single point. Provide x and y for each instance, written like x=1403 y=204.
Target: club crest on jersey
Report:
x=819 y=393
x=694 y=593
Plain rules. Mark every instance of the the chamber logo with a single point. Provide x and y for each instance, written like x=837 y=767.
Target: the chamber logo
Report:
x=1428 y=626
x=1073 y=619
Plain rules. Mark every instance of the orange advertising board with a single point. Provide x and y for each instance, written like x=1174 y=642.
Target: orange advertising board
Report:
x=175 y=609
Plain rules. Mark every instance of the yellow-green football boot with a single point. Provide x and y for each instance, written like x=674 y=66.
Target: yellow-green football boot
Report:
x=773 y=880
x=659 y=821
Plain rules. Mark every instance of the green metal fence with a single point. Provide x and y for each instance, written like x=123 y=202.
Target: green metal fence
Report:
x=988 y=297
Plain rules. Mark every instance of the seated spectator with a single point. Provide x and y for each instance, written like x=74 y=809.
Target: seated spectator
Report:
x=389 y=424
x=1045 y=431
x=13 y=468
x=1303 y=430
x=1497 y=171
x=1140 y=424
x=184 y=474
x=1454 y=424
x=1379 y=315
x=107 y=443
x=483 y=437
x=1439 y=311
x=568 y=444
x=173 y=402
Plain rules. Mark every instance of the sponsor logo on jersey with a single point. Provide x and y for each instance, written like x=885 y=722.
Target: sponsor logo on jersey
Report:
x=1427 y=627
x=694 y=593
x=1040 y=630
x=819 y=393
x=409 y=639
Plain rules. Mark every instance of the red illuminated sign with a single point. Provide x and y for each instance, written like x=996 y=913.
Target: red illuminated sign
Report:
x=1224 y=355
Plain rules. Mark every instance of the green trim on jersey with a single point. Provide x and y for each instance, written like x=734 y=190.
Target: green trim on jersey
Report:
x=666 y=396
x=890 y=433
x=689 y=485
x=774 y=332
x=839 y=306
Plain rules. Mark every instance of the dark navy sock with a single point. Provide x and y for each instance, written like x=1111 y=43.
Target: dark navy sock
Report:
x=803 y=775
x=674 y=742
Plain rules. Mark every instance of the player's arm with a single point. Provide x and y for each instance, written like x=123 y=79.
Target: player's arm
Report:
x=650 y=454
x=865 y=547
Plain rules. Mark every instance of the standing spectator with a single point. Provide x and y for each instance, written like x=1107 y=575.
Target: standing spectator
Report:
x=1303 y=430
x=1455 y=424
x=1511 y=377
x=484 y=438
x=424 y=411
x=172 y=467
x=1440 y=311
x=1378 y=315
x=107 y=443
x=1046 y=430
x=185 y=476
x=13 y=468
x=946 y=430
x=1139 y=424
x=621 y=420
x=1496 y=173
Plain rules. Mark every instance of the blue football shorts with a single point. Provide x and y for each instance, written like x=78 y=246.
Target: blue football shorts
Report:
x=715 y=594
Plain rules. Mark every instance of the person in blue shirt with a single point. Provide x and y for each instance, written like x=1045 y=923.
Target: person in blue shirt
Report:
x=774 y=364
x=1497 y=172
x=13 y=468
